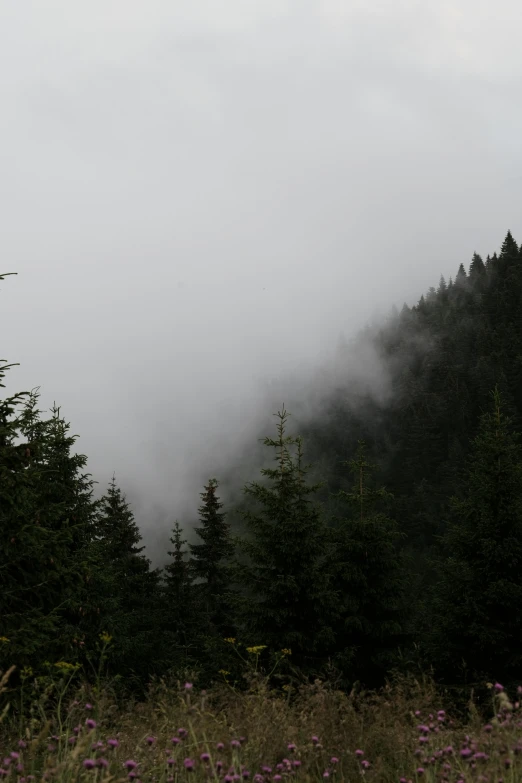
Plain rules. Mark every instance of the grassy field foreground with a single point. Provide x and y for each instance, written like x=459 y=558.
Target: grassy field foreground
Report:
x=74 y=732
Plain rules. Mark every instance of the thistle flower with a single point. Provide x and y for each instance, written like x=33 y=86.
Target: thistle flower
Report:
x=89 y=763
x=235 y=743
x=188 y=764
x=102 y=763
x=130 y=764
x=151 y=740
x=205 y=757
x=220 y=746
x=113 y=743
x=291 y=746
x=188 y=686
x=90 y=723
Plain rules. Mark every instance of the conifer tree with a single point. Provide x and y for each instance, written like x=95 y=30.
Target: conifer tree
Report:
x=371 y=575
x=209 y=560
x=182 y=621
x=133 y=618
x=286 y=599
x=477 y=618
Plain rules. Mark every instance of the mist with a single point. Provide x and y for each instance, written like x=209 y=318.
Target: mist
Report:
x=202 y=199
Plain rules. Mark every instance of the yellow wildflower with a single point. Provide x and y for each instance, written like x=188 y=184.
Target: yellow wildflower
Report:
x=4 y=639
x=230 y=640
x=105 y=637
x=224 y=672
x=256 y=650
x=286 y=651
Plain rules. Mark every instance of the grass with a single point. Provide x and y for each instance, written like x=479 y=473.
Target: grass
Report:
x=74 y=732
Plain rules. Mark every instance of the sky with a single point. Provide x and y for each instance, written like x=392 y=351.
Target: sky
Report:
x=199 y=198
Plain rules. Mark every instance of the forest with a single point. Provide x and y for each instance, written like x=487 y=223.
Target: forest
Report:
x=385 y=537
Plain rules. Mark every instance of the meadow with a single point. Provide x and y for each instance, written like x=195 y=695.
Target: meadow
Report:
x=66 y=730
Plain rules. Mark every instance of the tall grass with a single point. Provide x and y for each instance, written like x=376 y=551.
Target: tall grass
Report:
x=78 y=732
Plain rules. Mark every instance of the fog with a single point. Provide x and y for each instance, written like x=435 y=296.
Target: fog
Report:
x=201 y=198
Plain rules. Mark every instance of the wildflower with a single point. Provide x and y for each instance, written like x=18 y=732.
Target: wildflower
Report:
x=224 y=672
x=151 y=740
x=188 y=686
x=171 y=762
x=267 y=770
x=366 y=764
x=205 y=757
x=245 y=774
x=175 y=740
x=277 y=777
x=22 y=744
x=315 y=739
x=235 y=743
x=498 y=687
x=220 y=746
x=102 y=763
x=296 y=763
x=359 y=753
x=219 y=766
x=72 y=740
x=334 y=760
x=14 y=754
x=466 y=753
x=189 y=765
x=89 y=763
x=88 y=706
x=424 y=738
x=291 y=746
x=256 y=650
x=130 y=764
x=105 y=637
x=420 y=770
x=423 y=728
x=326 y=774
x=230 y=640
x=4 y=639
x=112 y=743
x=286 y=651
x=182 y=733
x=90 y=723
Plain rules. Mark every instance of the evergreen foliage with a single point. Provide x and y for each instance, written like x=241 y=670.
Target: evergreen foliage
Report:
x=287 y=598
x=477 y=620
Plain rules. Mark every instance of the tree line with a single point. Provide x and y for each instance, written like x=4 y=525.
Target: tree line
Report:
x=398 y=547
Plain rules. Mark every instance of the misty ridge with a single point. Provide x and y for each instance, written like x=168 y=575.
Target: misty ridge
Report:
x=366 y=520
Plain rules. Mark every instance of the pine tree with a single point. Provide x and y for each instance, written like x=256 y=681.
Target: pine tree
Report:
x=210 y=558
x=477 y=618
x=371 y=574
x=134 y=614
x=182 y=620
x=286 y=599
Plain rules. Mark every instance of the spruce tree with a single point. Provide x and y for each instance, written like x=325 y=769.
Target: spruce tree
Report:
x=209 y=560
x=134 y=614
x=371 y=574
x=477 y=621
x=286 y=597
x=182 y=621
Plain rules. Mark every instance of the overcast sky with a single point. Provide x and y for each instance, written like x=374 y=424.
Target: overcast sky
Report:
x=196 y=194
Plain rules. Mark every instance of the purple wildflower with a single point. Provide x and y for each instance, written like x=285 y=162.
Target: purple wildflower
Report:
x=235 y=743
x=175 y=740
x=151 y=740
x=205 y=757
x=334 y=760
x=102 y=763
x=113 y=743
x=291 y=746
x=88 y=706
x=90 y=723
x=130 y=764
x=188 y=764
x=89 y=763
